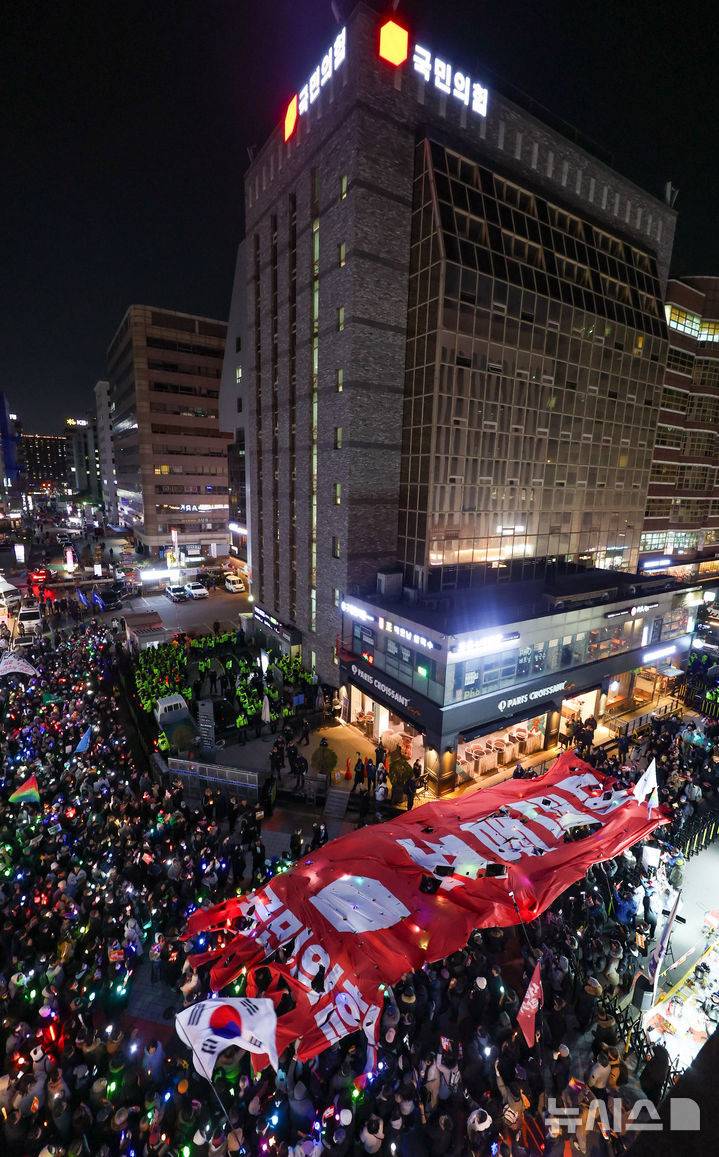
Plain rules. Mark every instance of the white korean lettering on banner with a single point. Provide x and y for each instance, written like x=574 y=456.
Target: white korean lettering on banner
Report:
x=589 y=794
x=507 y=838
x=445 y=852
x=449 y=81
x=359 y=904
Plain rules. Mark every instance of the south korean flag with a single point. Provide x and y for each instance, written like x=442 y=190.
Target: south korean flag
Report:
x=210 y=1026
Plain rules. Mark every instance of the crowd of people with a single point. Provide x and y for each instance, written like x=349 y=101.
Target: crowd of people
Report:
x=97 y=881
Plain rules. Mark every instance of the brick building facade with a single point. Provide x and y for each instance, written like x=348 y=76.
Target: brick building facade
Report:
x=352 y=390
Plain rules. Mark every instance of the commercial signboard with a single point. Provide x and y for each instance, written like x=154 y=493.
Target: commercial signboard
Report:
x=404 y=701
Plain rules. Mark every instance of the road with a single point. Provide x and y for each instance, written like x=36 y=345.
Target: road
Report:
x=220 y=606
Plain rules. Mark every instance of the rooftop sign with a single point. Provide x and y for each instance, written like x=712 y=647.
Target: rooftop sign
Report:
x=434 y=70
x=332 y=60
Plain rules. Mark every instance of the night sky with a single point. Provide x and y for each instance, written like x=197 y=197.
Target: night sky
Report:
x=127 y=127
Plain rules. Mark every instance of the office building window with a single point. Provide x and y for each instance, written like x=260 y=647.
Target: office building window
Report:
x=341 y=254
x=335 y=546
x=336 y=596
x=344 y=186
x=337 y=494
x=313 y=660
x=238 y=374
x=682 y=320
x=238 y=344
x=340 y=318
x=239 y=405
x=338 y=437
x=340 y=380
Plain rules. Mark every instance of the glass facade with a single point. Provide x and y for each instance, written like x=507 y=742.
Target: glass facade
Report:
x=591 y=637
x=410 y=665
x=536 y=344
x=683 y=485
x=480 y=676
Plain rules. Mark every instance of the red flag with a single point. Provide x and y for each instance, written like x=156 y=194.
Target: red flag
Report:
x=532 y=1000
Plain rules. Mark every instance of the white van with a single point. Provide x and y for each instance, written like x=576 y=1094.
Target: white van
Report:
x=10 y=597
x=234 y=584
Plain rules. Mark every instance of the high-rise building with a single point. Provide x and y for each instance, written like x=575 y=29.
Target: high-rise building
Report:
x=681 y=528
x=108 y=474
x=164 y=370
x=43 y=463
x=9 y=440
x=233 y=414
x=83 y=457
x=456 y=341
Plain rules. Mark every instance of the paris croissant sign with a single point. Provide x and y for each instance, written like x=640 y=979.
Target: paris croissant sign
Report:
x=394 y=48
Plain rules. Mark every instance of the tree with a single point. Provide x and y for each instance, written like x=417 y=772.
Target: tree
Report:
x=400 y=771
x=324 y=760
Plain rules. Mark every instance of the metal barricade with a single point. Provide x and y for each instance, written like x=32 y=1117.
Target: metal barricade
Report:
x=197 y=776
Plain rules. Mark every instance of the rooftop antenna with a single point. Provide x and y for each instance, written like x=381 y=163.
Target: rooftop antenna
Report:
x=670 y=194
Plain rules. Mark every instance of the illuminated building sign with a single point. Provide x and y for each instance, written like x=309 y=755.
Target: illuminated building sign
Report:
x=332 y=60
x=450 y=80
x=405 y=633
x=473 y=648
x=657 y=564
x=435 y=70
x=659 y=653
x=356 y=612
x=394 y=48
x=504 y=705
x=638 y=610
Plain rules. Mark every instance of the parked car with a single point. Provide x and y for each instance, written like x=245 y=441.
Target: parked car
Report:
x=234 y=584
x=196 y=590
x=21 y=642
x=176 y=594
x=28 y=618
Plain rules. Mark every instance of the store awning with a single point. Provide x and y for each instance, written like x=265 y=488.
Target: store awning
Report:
x=670 y=671
x=506 y=723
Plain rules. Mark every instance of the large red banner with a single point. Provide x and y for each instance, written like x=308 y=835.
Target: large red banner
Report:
x=360 y=908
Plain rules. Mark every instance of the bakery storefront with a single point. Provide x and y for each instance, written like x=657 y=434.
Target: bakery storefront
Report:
x=466 y=741
x=528 y=721
x=498 y=731
x=378 y=705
